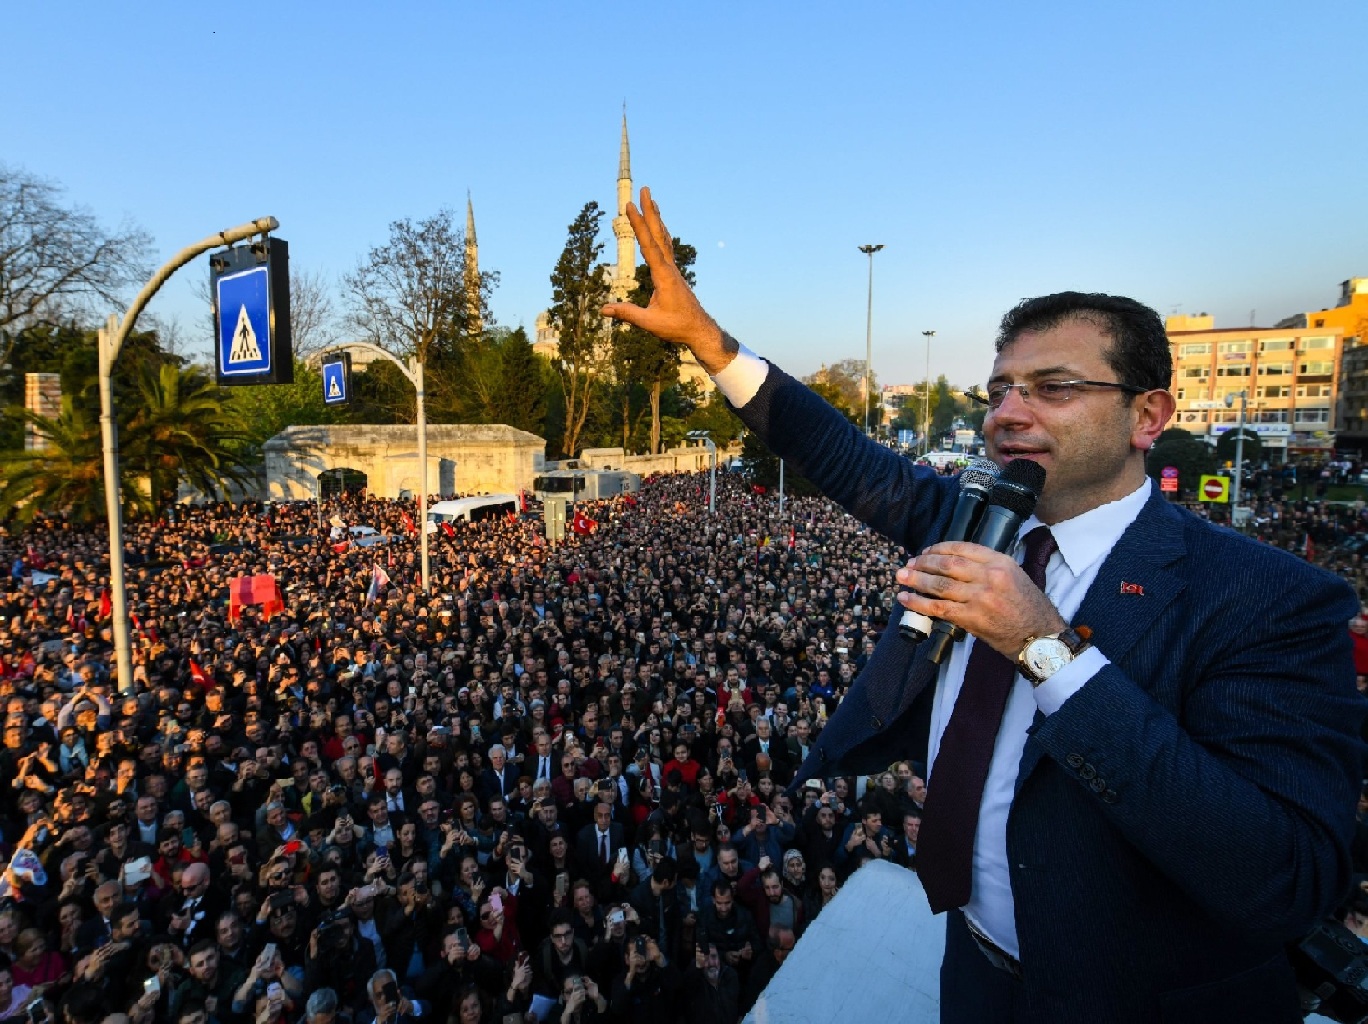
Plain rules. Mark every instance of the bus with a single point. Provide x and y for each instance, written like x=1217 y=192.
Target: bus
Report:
x=470 y=510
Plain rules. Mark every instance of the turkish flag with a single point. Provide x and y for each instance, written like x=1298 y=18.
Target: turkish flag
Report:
x=582 y=524
x=408 y=523
x=449 y=530
x=197 y=674
x=341 y=549
x=106 y=604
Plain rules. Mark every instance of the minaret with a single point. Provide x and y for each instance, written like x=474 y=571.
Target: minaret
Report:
x=472 y=273
x=624 y=274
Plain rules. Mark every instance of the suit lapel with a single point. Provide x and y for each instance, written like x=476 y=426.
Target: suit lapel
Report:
x=1132 y=588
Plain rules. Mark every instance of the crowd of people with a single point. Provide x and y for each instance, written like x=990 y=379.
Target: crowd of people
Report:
x=554 y=785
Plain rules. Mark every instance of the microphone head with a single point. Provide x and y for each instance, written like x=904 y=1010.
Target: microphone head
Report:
x=1018 y=488
x=980 y=474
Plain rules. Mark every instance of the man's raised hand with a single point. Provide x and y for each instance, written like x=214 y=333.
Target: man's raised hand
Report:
x=674 y=312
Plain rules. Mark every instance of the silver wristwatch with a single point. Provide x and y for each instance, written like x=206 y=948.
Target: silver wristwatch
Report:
x=1043 y=656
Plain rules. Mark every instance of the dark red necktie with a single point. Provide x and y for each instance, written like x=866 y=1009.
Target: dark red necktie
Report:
x=945 y=847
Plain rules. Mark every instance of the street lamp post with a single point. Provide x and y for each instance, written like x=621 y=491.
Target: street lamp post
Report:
x=926 y=394
x=869 y=250
x=1235 y=517
x=706 y=438
x=413 y=370
x=111 y=339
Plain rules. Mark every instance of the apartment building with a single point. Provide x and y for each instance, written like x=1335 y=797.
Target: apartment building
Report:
x=1290 y=376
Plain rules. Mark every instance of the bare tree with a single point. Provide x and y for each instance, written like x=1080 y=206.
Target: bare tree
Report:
x=56 y=261
x=408 y=295
x=313 y=318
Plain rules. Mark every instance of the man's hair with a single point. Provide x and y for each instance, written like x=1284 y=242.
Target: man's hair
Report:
x=722 y=887
x=322 y=1001
x=120 y=912
x=202 y=946
x=665 y=870
x=1139 y=354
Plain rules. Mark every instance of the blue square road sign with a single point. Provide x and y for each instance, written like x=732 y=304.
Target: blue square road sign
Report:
x=244 y=315
x=335 y=383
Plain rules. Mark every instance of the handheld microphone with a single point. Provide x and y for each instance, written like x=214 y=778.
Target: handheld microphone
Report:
x=1010 y=503
x=975 y=482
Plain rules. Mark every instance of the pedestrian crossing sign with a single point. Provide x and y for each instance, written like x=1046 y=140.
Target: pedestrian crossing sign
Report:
x=251 y=294
x=244 y=315
x=336 y=380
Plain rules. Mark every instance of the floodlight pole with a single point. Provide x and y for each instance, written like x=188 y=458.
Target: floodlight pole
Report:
x=869 y=250
x=413 y=370
x=111 y=339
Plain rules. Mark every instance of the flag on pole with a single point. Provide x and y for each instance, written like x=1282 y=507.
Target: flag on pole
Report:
x=583 y=525
x=449 y=530
x=197 y=674
x=379 y=578
x=408 y=523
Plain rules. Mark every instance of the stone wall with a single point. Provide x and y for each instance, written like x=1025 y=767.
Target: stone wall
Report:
x=462 y=459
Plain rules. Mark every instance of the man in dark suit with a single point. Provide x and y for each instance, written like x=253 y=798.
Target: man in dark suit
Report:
x=500 y=778
x=764 y=742
x=1165 y=709
x=597 y=845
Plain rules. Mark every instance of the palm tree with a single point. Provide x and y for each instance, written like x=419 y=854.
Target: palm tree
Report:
x=183 y=432
x=67 y=474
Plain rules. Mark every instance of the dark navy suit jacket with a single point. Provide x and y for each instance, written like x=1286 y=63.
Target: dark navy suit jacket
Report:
x=1185 y=814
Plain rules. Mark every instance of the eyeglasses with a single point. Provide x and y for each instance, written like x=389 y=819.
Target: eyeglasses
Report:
x=1054 y=392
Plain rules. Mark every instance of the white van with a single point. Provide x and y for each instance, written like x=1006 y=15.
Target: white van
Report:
x=470 y=510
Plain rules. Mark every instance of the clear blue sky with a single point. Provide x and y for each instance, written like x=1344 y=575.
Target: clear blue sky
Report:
x=1198 y=156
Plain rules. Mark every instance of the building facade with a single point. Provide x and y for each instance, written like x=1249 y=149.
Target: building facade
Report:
x=1290 y=376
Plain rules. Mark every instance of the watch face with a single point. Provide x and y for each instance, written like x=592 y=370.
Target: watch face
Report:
x=1046 y=656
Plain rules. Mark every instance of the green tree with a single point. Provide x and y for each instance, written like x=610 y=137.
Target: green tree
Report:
x=716 y=417
x=520 y=395
x=67 y=474
x=642 y=358
x=259 y=412
x=1225 y=446
x=1187 y=452
x=183 y=432
x=944 y=409
x=579 y=288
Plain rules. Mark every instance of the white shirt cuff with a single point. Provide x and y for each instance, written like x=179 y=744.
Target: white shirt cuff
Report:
x=1051 y=694
x=740 y=379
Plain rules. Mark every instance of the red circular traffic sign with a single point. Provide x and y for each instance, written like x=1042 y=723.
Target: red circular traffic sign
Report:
x=1213 y=489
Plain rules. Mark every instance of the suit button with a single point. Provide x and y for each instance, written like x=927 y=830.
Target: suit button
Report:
x=1088 y=772
x=1109 y=797
x=1074 y=760
x=875 y=722
x=1098 y=785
